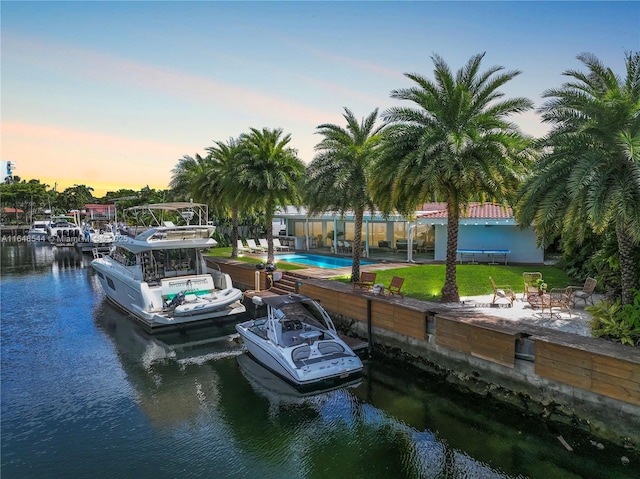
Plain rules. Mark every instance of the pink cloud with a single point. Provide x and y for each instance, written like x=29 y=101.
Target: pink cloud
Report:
x=105 y=68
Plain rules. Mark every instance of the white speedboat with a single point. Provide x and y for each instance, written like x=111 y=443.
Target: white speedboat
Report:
x=298 y=341
x=162 y=279
x=64 y=230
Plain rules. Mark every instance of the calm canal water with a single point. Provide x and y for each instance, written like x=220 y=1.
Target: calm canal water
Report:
x=85 y=393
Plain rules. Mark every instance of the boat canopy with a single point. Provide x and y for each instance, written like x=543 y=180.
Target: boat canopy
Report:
x=188 y=210
x=282 y=300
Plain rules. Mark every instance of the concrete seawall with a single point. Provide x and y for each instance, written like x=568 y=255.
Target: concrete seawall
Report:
x=592 y=383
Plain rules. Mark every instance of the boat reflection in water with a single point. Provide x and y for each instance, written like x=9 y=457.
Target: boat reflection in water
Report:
x=172 y=373
x=277 y=390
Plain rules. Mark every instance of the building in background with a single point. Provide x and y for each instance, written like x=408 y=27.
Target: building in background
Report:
x=6 y=170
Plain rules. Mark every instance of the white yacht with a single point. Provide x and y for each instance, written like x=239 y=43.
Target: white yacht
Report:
x=99 y=236
x=161 y=276
x=298 y=341
x=38 y=230
x=64 y=230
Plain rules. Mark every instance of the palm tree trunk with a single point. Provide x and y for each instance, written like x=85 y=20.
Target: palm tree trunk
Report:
x=268 y=217
x=628 y=271
x=450 y=289
x=357 y=244
x=234 y=232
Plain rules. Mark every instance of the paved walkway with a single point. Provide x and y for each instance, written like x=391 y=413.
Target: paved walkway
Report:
x=577 y=322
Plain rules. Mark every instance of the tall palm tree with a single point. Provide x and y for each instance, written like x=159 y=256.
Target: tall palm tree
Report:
x=213 y=180
x=184 y=176
x=337 y=176
x=271 y=174
x=589 y=176
x=221 y=179
x=455 y=144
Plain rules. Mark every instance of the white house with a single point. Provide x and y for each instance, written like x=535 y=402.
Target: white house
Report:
x=486 y=226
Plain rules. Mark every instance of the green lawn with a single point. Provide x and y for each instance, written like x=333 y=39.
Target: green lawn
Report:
x=425 y=281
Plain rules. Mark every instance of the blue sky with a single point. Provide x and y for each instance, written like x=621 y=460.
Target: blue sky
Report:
x=113 y=94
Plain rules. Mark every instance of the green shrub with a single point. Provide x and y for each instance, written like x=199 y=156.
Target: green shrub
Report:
x=614 y=321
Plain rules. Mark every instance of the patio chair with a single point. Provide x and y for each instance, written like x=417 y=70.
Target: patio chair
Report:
x=263 y=243
x=253 y=247
x=367 y=280
x=278 y=246
x=530 y=286
x=395 y=286
x=584 y=293
x=242 y=248
x=401 y=245
x=557 y=298
x=502 y=292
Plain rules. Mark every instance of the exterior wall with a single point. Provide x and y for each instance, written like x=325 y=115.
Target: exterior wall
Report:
x=521 y=242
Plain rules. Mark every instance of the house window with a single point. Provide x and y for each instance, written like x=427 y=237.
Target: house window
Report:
x=400 y=231
x=377 y=233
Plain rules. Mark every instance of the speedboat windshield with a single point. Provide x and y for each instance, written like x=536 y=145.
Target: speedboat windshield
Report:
x=305 y=310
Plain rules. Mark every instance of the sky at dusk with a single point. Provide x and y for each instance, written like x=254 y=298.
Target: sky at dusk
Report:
x=113 y=94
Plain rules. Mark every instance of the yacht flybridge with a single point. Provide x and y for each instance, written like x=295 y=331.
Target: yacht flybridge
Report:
x=161 y=277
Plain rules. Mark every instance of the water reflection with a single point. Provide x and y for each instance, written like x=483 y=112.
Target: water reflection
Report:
x=37 y=258
x=87 y=393
x=169 y=372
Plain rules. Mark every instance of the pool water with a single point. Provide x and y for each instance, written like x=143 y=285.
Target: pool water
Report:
x=317 y=260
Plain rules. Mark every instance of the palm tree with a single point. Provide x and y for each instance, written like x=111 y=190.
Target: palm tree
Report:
x=337 y=177
x=213 y=180
x=454 y=145
x=589 y=176
x=221 y=180
x=271 y=174
x=184 y=176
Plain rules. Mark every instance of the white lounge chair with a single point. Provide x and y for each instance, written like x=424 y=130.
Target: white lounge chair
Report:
x=263 y=242
x=242 y=248
x=278 y=246
x=253 y=247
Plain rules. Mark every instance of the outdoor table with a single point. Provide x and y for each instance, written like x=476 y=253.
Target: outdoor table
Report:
x=491 y=253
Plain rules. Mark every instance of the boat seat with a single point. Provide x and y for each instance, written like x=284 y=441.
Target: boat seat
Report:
x=291 y=338
x=292 y=325
x=192 y=284
x=301 y=353
x=330 y=348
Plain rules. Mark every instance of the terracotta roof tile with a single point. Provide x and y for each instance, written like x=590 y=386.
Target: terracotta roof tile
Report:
x=476 y=210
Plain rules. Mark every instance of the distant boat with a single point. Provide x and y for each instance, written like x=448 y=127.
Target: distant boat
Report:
x=161 y=276
x=98 y=236
x=298 y=341
x=64 y=230
x=38 y=232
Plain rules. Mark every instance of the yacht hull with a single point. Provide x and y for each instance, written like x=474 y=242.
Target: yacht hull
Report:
x=144 y=302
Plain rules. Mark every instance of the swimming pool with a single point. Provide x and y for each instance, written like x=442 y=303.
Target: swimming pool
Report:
x=318 y=261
